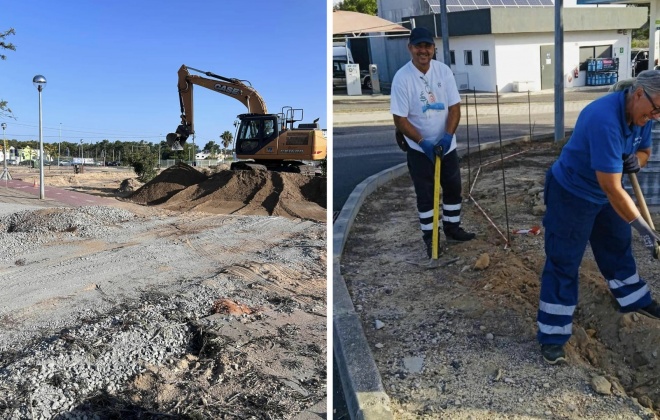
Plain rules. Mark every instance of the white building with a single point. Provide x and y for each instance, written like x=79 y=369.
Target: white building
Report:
x=512 y=47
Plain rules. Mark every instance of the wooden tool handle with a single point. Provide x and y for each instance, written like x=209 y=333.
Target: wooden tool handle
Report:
x=640 y=200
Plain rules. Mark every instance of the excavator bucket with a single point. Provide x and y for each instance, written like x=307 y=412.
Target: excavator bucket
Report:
x=173 y=141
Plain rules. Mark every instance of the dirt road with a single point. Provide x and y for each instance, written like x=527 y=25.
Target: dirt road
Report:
x=134 y=310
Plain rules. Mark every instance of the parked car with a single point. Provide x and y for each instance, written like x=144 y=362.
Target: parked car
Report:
x=12 y=162
x=639 y=60
x=112 y=164
x=340 y=57
x=65 y=163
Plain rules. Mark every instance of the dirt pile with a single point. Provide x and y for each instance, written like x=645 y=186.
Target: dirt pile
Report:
x=474 y=329
x=183 y=188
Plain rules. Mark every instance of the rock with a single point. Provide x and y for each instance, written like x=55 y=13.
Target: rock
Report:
x=581 y=337
x=489 y=336
x=379 y=345
x=413 y=364
x=378 y=324
x=482 y=262
x=639 y=359
x=626 y=320
x=645 y=401
x=535 y=190
x=601 y=385
x=538 y=210
x=635 y=317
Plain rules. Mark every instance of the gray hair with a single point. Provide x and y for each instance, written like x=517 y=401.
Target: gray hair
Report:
x=649 y=80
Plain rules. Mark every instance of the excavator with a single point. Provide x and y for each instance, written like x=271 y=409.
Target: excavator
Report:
x=263 y=140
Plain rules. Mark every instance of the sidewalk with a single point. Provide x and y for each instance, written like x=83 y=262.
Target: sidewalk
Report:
x=25 y=193
x=365 y=395
x=367 y=109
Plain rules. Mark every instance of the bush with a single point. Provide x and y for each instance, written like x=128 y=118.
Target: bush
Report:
x=144 y=164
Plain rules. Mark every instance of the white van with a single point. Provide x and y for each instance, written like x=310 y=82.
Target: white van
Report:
x=341 y=56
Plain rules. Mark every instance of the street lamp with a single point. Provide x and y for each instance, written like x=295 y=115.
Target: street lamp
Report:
x=59 y=147
x=39 y=82
x=5 y=173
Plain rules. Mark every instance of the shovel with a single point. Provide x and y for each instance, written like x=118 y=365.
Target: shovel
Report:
x=643 y=209
x=434 y=262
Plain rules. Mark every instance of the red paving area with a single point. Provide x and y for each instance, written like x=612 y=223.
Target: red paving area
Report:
x=28 y=193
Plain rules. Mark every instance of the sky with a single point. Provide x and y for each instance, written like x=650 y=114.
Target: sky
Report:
x=111 y=66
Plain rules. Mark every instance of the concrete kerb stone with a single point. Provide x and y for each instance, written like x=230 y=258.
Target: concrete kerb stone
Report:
x=365 y=395
x=364 y=392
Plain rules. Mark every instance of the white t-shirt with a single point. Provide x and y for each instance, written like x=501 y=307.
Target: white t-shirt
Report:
x=419 y=97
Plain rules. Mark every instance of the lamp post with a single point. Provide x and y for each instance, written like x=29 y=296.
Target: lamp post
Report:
x=5 y=173
x=39 y=82
x=59 y=147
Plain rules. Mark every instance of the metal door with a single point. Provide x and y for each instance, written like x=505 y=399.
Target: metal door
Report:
x=547 y=66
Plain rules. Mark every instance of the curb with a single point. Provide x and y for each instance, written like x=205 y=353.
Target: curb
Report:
x=365 y=395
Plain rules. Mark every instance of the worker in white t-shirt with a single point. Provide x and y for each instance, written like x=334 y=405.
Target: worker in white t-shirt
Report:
x=426 y=107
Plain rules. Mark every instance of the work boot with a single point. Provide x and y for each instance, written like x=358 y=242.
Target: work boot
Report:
x=428 y=241
x=458 y=234
x=652 y=310
x=553 y=353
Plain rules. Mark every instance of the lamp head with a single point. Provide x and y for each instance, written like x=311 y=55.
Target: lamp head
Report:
x=39 y=82
x=3 y=125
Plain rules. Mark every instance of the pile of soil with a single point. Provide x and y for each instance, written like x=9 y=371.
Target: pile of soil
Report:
x=255 y=192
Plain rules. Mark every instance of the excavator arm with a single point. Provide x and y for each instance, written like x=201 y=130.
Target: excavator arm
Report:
x=234 y=88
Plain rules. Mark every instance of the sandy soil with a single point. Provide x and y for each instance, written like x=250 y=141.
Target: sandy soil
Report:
x=459 y=341
x=237 y=261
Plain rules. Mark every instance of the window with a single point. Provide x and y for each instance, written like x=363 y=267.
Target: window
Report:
x=598 y=51
x=452 y=57
x=468 y=57
x=485 y=61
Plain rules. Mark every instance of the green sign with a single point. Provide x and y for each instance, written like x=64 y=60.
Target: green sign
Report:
x=621 y=50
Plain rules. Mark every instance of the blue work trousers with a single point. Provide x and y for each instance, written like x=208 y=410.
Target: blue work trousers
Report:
x=570 y=222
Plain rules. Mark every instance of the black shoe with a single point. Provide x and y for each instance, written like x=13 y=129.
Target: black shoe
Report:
x=459 y=235
x=652 y=311
x=553 y=353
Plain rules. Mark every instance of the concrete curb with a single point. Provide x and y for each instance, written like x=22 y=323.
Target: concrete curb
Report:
x=365 y=395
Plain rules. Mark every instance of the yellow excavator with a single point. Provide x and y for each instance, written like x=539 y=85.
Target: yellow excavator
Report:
x=263 y=140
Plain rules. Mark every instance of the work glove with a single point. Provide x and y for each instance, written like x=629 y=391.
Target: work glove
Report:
x=649 y=236
x=630 y=164
x=430 y=149
x=445 y=142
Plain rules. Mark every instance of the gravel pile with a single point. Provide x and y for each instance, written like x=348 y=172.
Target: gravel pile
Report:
x=86 y=221
x=61 y=373
x=25 y=230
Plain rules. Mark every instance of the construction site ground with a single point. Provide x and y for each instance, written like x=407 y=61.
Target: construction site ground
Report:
x=201 y=294
x=459 y=341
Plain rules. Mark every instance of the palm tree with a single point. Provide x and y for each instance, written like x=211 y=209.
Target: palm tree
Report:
x=227 y=138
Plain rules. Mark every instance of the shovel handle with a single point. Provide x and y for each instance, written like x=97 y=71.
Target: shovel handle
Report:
x=640 y=200
x=435 y=252
x=643 y=209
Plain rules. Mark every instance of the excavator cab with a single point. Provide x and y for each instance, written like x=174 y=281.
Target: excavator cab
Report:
x=255 y=131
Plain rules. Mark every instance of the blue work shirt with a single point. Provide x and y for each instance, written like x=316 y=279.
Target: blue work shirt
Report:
x=600 y=139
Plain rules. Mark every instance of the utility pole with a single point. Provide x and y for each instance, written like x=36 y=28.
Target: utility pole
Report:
x=5 y=173
x=59 y=147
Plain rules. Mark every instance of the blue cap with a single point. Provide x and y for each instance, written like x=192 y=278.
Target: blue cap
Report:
x=419 y=35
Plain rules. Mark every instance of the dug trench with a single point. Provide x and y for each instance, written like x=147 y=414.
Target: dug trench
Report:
x=460 y=341
x=170 y=303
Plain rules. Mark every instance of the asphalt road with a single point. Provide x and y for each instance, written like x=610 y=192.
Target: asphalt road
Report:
x=359 y=152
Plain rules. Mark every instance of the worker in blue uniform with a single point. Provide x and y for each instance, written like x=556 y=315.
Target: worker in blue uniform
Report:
x=586 y=203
